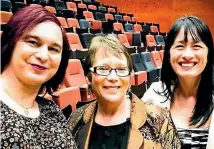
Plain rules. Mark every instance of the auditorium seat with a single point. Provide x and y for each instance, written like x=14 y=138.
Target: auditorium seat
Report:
x=92 y=8
x=153 y=72
x=128 y=27
x=123 y=39
x=96 y=27
x=100 y=16
x=62 y=11
x=154 y=29
x=118 y=18
x=86 y=39
x=118 y=28
x=156 y=59
x=150 y=42
x=64 y=24
x=68 y=96
x=74 y=77
x=80 y=9
x=112 y=11
x=138 y=28
x=88 y=15
x=5 y=17
x=127 y=18
x=102 y=9
x=51 y=9
x=74 y=41
x=6 y=5
x=71 y=6
x=73 y=23
x=134 y=19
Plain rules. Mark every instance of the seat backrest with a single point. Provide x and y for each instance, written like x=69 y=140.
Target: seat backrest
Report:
x=134 y=19
x=63 y=22
x=136 y=39
x=6 y=5
x=138 y=28
x=160 y=40
x=72 y=22
x=102 y=9
x=111 y=10
x=146 y=28
x=74 y=75
x=100 y=16
x=87 y=1
x=127 y=18
x=118 y=17
x=92 y=7
x=84 y=24
x=5 y=17
x=74 y=41
x=71 y=6
x=129 y=27
x=147 y=61
x=129 y=37
x=65 y=99
x=88 y=15
x=154 y=29
x=118 y=27
x=86 y=39
x=150 y=41
x=156 y=59
x=96 y=25
x=82 y=6
x=109 y=16
x=59 y=5
x=124 y=40
x=137 y=64
x=51 y=9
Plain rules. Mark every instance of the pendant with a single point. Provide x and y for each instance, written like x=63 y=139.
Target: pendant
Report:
x=26 y=112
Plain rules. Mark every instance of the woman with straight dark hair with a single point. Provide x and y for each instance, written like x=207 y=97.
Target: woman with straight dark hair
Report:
x=35 y=53
x=186 y=86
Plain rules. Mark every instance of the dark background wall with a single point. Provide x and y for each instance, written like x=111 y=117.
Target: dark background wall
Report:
x=165 y=12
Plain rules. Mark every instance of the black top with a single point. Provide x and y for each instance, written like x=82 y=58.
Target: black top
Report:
x=49 y=130
x=109 y=137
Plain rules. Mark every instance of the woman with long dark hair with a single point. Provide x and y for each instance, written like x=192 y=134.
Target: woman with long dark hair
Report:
x=35 y=53
x=186 y=86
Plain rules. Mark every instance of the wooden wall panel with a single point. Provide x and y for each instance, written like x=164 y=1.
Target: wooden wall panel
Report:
x=165 y=12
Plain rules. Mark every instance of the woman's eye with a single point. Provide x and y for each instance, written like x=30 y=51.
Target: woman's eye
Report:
x=197 y=46
x=32 y=42
x=54 y=49
x=179 y=46
x=102 y=68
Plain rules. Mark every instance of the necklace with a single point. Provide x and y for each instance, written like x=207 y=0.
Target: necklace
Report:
x=26 y=109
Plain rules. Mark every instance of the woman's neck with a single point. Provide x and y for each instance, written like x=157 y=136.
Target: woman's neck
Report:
x=113 y=113
x=24 y=95
x=188 y=87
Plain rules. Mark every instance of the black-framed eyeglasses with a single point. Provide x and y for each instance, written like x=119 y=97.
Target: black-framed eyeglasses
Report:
x=105 y=71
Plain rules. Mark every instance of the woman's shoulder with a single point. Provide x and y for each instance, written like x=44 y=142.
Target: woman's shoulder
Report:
x=77 y=115
x=156 y=111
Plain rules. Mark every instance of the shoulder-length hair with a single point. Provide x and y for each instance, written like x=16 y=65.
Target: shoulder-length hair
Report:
x=199 y=32
x=22 y=22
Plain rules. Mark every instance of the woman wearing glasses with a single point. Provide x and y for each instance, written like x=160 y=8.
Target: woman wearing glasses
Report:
x=118 y=119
